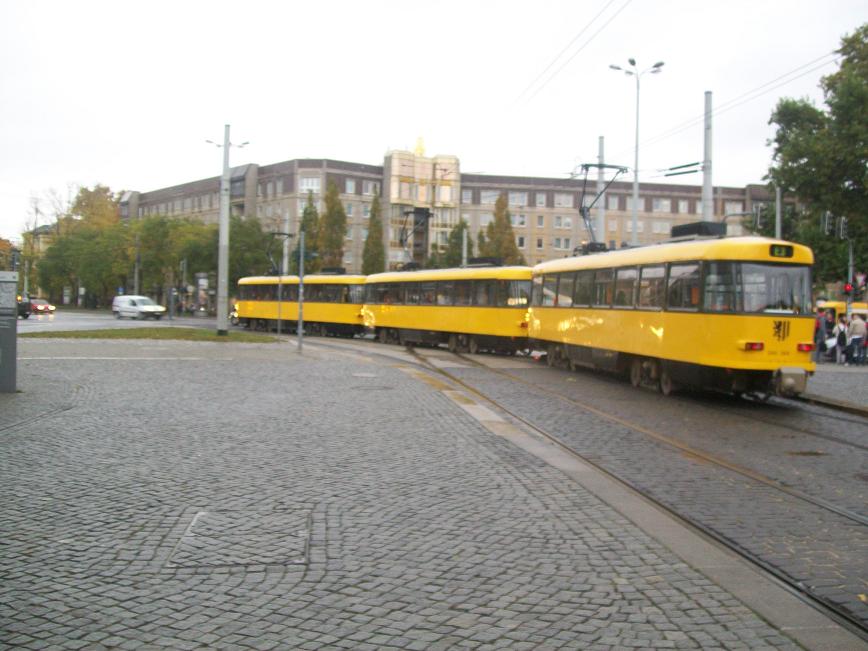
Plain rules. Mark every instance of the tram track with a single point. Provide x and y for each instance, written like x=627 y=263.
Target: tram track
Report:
x=794 y=585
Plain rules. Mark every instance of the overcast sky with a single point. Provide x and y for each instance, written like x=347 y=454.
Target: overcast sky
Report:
x=126 y=93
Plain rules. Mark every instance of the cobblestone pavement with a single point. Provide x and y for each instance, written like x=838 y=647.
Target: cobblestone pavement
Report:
x=818 y=548
x=838 y=382
x=241 y=497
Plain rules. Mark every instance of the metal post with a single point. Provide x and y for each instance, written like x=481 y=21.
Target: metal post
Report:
x=138 y=264
x=601 y=192
x=634 y=239
x=707 y=196
x=778 y=211
x=279 y=295
x=300 y=326
x=464 y=245
x=223 y=244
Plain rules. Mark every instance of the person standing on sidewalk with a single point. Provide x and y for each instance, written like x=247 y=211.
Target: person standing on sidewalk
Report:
x=839 y=332
x=856 y=332
x=820 y=335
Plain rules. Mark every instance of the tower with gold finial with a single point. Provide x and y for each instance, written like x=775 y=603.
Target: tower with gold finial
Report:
x=420 y=146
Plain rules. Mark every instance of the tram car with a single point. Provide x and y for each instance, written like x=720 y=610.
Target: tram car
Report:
x=332 y=304
x=469 y=309
x=731 y=314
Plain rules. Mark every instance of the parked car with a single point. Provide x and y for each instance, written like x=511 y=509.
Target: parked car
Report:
x=41 y=306
x=137 y=307
x=23 y=307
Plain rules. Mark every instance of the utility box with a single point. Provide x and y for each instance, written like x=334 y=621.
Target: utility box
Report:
x=8 y=330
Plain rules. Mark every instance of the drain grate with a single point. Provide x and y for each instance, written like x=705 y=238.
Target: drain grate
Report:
x=233 y=538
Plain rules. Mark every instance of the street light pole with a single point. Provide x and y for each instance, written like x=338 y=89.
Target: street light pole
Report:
x=223 y=240
x=634 y=238
x=300 y=322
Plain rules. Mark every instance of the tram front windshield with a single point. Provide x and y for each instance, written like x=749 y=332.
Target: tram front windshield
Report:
x=753 y=287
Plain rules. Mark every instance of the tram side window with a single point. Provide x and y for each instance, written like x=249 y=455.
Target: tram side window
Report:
x=721 y=291
x=625 y=286
x=536 y=290
x=603 y=287
x=445 y=289
x=413 y=293
x=356 y=294
x=651 y=288
x=565 y=289
x=584 y=291
x=313 y=293
x=289 y=292
x=517 y=293
x=330 y=293
x=393 y=294
x=483 y=292
x=428 y=292
x=463 y=292
x=550 y=291
x=682 y=290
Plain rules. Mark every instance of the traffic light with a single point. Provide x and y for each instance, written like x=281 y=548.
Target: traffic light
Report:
x=842 y=228
x=848 y=289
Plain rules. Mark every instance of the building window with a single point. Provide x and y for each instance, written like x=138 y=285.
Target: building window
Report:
x=520 y=241
x=557 y=243
x=485 y=219
x=518 y=220
x=370 y=188
x=445 y=192
x=640 y=204
x=539 y=243
x=540 y=221
x=279 y=186
x=364 y=234
x=350 y=186
x=682 y=206
x=563 y=199
x=309 y=184
x=661 y=205
x=366 y=210
x=487 y=197
x=518 y=198
x=563 y=222
x=467 y=196
x=732 y=207
x=540 y=199
x=640 y=226
x=661 y=228
x=349 y=210
x=697 y=207
x=612 y=202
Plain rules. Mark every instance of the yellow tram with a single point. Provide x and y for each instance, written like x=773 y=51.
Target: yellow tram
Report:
x=332 y=303
x=469 y=309
x=732 y=314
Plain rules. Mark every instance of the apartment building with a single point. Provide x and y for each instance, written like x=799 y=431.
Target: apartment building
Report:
x=423 y=198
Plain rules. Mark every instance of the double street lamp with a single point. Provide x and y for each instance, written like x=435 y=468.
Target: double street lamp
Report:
x=633 y=71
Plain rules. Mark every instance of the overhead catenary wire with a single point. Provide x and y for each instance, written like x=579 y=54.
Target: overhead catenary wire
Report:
x=745 y=97
x=569 y=45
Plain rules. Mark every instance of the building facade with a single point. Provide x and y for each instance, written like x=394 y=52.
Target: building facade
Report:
x=422 y=198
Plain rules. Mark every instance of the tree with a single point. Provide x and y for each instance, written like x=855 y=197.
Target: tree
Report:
x=499 y=239
x=97 y=207
x=374 y=255
x=821 y=156
x=453 y=255
x=310 y=226
x=332 y=228
x=248 y=245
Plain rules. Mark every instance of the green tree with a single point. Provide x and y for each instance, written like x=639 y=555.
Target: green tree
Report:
x=821 y=156
x=499 y=239
x=454 y=245
x=374 y=254
x=96 y=207
x=332 y=228
x=248 y=246
x=310 y=226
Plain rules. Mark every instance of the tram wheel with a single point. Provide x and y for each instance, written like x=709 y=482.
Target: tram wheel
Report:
x=473 y=346
x=453 y=343
x=665 y=383
x=636 y=372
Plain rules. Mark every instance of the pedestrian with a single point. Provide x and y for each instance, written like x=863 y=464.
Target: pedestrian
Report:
x=840 y=334
x=857 y=331
x=820 y=335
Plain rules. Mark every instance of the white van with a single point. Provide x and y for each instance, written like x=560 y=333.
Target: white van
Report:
x=136 y=307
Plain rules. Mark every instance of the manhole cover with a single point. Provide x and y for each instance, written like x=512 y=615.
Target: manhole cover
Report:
x=223 y=538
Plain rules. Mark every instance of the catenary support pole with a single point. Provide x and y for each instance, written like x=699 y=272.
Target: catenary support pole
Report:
x=707 y=196
x=778 y=211
x=300 y=323
x=601 y=195
x=223 y=244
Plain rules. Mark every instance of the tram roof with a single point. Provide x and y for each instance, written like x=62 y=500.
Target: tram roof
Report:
x=728 y=248
x=313 y=279
x=461 y=273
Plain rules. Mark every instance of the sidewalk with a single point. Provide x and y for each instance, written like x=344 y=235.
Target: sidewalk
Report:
x=839 y=384
x=177 y=495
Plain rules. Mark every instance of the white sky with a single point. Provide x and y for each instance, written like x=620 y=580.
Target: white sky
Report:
x=125 y=93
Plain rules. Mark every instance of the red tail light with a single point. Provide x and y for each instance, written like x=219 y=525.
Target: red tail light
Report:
x=753 y=345
x=805 y=348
